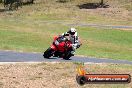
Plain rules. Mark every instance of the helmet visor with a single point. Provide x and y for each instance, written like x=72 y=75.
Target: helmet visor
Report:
x=72 y=33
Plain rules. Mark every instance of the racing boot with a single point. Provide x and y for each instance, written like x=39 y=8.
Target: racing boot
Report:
x=72 y=53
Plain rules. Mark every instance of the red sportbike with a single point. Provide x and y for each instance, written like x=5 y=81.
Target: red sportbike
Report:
x=61 y=47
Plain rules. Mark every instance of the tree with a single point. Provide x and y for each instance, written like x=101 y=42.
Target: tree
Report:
x=102 y=3
x=32 y=1
x=1 y=1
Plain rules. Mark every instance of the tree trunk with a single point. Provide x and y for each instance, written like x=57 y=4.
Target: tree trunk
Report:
x=102 y=3
x=32 y=1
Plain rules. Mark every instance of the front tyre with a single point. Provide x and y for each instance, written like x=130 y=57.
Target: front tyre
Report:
x=48 y=53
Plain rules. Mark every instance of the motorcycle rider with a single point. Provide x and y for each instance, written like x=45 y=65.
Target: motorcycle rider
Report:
x=73 y=36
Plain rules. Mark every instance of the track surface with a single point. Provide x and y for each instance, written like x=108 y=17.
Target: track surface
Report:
x=11 y=56
x=88 y=25
x=103 y=26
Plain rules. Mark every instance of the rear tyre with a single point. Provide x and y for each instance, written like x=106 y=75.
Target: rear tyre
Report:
x=48 y=53
x=67 y=56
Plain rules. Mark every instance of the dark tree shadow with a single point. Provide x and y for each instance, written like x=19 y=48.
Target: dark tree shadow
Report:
x=57 y=58
x=62 y=1
x=66 y=59
x=27 y=3
x=52 y=58
x=3 y=10
x=11 y=5
x=92 y=6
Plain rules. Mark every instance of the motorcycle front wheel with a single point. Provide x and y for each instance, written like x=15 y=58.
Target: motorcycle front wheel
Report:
x=48 y=53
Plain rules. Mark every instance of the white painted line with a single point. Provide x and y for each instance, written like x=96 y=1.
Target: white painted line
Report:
x=1 y=63
x=89 y=63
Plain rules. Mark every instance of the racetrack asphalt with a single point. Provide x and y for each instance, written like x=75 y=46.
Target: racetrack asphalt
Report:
x=88 y=25
x=103 y=26
x=12 y=56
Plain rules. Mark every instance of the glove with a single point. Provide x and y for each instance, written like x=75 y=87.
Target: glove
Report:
x=74 y=46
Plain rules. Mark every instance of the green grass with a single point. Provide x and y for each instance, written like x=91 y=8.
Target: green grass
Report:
x=31 y=29
x=106 y=43
x=102 y=43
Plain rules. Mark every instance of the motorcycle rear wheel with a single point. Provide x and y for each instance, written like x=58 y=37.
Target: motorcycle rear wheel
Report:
x=67 y=56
